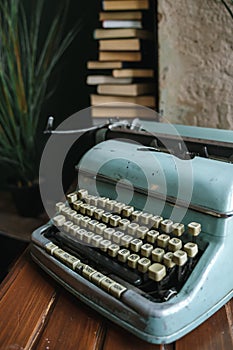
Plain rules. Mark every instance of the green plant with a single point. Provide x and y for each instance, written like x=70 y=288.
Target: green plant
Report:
x=27 y=60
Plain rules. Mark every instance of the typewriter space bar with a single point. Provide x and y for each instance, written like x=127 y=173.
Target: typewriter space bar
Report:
x=108 y=264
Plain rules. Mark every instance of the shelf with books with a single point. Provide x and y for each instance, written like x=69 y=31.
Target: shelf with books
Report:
x=124 y=67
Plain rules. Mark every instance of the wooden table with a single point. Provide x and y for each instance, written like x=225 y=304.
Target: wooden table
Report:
x=35 y=313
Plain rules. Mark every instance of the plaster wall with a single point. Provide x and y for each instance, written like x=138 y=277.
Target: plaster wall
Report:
x=196 y=62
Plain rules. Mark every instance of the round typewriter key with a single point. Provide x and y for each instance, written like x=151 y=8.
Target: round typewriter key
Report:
x=72 y=197
x=157 y=272
x=166 y=225
x=102 y=201
x=94 y=200
x=106 y=283
x=133 y=260
x=95 y=240
x=77 y=218
x=90 y=210
x=88 y=271
x=174 y=244
x=108 y=232
x=110 y=204
x=168 y=260
x=84 y=221
x=83 y=207
x=80 y=233
x=66 y=226
x=178 y=229
x=136 y=245
x=127 y=211
x=72 y=261
x=141 y=232
x=76 y=204
x=104 y=244
x=125 y=240
x=123 y=254
x=155 y=221
x=88 y=199
x=87 y=236
x=194 y=228
x=116 y=237
x=180 y=257
x=117 y=289
x=59 y=206
x=117 y=208
x=98 y=213
x=145 y=218
x=146 y=249
x=106 y=217
x=92 y=225
x=82 y=193
x=151 y=236
x=157 y=254
x=132 y=228
x=135 y=216
x=191 y=249
x=71 y=213
x=143 y=265
x=74 y=229
x=114 y=220
x=162 y=240
x=97 y=277
x=50 y=247
x=99 y=229
x=65 y=211
x=123 y=224
x=113 y=250
x=59 y=220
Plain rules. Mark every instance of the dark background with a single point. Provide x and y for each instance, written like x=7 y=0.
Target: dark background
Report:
x=68 y=81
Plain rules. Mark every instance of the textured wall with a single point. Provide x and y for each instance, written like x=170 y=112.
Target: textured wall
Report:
x=196 y=62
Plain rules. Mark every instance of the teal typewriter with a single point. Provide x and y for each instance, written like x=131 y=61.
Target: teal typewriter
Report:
x=146 y=237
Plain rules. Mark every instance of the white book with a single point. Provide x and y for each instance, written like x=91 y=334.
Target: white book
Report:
x=105 y=79
x=121 y=24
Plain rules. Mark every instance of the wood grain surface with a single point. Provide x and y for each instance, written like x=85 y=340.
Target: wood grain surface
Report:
x=37 y=314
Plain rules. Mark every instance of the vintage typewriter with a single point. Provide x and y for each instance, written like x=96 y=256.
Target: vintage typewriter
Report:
x=146 y=238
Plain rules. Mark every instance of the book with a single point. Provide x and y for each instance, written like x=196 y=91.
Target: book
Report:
x=119 y=111
x=126 y=90
x=104 y=65
x=107 y=65
x=120 y=56
x=145 y=100
x=101 y=33
x=112 y=5
x=121 y=24
x=121 y=15
x=133 y=73
x=121 y=44
x=106 y=79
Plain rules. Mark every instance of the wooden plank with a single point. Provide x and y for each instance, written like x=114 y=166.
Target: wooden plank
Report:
x=216 y=333
x=117 y=339
x=27 y=299
x=71 y=326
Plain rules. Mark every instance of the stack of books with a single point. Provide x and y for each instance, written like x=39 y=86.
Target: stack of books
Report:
x=123 y=73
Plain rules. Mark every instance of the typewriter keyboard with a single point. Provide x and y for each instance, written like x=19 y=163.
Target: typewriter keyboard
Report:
x=117 y=247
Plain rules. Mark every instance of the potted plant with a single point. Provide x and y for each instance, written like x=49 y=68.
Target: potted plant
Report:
x=27 y=60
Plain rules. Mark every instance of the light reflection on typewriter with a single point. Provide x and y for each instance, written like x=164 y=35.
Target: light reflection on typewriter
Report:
x=157 y=273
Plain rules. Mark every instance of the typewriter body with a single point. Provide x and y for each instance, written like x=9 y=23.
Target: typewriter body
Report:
x=147 y=237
